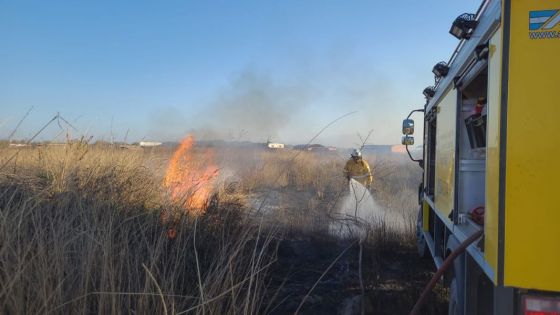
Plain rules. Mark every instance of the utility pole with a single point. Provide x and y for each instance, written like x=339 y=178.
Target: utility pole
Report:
x=19 y=123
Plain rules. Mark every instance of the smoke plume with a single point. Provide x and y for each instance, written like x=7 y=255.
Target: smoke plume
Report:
x=253 y=107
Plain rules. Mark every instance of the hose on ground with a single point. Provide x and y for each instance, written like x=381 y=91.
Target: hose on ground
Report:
x=446 y=264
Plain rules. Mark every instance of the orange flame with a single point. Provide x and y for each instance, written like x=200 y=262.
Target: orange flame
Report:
x=191 y=180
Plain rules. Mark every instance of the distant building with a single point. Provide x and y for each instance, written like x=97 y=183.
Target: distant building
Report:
x=18 y=145
x=273 y=145
x=313 y=147
x=377 y=148
x=149 y=144
x=384 y=148
x=398 y=148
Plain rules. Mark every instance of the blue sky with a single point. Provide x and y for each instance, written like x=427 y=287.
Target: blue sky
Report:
x=238 y=70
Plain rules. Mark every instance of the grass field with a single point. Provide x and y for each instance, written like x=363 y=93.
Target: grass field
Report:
x=81 y=228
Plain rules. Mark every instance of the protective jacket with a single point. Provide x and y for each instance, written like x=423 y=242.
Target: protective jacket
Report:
x=358 y=170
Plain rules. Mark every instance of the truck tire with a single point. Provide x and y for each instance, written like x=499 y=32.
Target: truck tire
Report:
x=421 y=244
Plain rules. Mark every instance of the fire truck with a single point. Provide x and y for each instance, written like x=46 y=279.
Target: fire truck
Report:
x=490 y=160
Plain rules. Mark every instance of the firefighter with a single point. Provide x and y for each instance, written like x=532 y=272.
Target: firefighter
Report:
x=358 y=169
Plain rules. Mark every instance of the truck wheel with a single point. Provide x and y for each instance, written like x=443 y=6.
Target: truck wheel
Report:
x=454 y=308
x=421 y=244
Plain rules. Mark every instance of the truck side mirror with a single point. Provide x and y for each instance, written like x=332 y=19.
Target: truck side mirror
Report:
x=408 y=127
x=407 y=140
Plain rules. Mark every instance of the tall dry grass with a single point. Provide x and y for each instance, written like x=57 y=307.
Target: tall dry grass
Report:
x=310 y=186
x=80 y=233
x=395 y=188
x=260 y=170
x=80 y=228
x=295 y=189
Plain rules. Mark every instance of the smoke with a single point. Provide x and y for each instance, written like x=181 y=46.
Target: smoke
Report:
x=253 y=107
x=167 y=124
x=293 y=105
x=376 y=99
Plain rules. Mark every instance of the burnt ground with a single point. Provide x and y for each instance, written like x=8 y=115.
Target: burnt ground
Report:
x=393 y=273
x=393 y=278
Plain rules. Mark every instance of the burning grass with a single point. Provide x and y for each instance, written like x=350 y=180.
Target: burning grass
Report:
x=80 y=233
x=81 y=227
x=191 y=181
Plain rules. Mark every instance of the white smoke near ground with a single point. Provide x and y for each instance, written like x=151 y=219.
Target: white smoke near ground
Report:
x=359 y=212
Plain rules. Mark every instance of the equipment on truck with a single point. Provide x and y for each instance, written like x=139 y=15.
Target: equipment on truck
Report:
x=489 y=164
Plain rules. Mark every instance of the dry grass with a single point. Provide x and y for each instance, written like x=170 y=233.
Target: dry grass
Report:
x=309 y=186
x=396 y=189
x=80 y=233
x=80 y=228
x=299 y=170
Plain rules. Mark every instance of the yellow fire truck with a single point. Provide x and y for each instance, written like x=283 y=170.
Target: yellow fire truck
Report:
x=490 y=160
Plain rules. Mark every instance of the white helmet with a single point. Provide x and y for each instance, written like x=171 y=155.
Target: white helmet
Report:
x=356 y=153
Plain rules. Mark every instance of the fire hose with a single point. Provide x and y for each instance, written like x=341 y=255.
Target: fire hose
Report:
x=446 y=264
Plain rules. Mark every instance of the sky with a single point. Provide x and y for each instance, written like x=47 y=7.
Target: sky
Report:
x=232 y=70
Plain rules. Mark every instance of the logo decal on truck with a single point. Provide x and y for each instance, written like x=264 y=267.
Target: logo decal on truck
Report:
x=542 y=23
